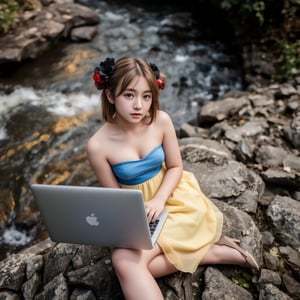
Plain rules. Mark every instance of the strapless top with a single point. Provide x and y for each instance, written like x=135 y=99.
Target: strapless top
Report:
x=138 y=171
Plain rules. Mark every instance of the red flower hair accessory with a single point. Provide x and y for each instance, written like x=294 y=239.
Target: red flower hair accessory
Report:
x=160 y=83
x=156 y=72
x=97 y=76
x=104 y=71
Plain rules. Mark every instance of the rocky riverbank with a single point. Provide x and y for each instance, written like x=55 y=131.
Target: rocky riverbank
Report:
x=56 y=20
x=44 y=26
x=244 y=151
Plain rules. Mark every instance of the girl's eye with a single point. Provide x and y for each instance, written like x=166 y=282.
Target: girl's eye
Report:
x=147 y=97
x=129 y=95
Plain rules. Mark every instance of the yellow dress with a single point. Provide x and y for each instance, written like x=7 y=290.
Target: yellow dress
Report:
x=194 y=223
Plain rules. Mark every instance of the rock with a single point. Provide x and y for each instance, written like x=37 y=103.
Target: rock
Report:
x=82 y=294
x=261 y=101
x=281 y=177
x=13 y=272
x=244 y=150
x=286 y=90
x=291 y=255
x=30 y=287
x=223 y=178
x=220 y=287
x=291 y=162
x=57 y=288
x=251 y=128
x=292 y=286
x=206 y=145
x=267 y=238
x=271 y=259
x=270 y=156
x=239 y=225
x=270 y=292
x=9 y=295
x=292 y=132
x=268 y=276
x=216 y=111
x=89 y=275
x=284 y=214
x=187 y=130
x=41 y=30
x=84 y=33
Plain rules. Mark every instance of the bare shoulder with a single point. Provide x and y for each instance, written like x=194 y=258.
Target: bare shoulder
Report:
x=96 y=143
x=163 y=118
x=164 y=121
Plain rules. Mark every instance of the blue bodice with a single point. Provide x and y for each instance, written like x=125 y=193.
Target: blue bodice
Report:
x=138 y=171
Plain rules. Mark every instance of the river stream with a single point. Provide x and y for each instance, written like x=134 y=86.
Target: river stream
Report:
x=49 y=107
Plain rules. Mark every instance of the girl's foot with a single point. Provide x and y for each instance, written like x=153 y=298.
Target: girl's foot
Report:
x=249 y=258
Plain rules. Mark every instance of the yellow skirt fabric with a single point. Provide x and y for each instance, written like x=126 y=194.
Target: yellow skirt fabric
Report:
x=193 y=225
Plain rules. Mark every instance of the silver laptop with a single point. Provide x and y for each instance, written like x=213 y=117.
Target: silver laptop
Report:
x=96 y=216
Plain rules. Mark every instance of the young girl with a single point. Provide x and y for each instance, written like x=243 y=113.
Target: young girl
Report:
x=137 y=148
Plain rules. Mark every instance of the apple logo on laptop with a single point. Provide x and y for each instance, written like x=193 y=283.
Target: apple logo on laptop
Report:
x=92 y=220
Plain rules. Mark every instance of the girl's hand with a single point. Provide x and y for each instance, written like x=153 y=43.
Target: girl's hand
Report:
x=153 y=209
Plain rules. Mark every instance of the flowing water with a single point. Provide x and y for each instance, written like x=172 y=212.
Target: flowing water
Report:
x=49 y=107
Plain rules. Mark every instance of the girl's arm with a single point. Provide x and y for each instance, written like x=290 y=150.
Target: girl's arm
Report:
x=173 y=164
x=100 y=165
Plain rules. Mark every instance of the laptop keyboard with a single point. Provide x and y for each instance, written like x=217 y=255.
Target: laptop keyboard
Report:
x=152 y=226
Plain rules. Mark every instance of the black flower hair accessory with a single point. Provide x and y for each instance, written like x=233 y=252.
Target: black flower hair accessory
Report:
x=156 y=72
x=104 y=71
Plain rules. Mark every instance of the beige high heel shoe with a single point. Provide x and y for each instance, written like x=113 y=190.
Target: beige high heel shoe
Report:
x=249 y=258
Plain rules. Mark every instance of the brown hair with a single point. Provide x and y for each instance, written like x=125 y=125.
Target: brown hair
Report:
x=127 y=68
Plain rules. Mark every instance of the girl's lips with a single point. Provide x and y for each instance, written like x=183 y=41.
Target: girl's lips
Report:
x=136 y=115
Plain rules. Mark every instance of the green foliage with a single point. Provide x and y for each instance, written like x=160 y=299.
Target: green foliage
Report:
x=269 y=16
x=246 y=8
x=10 y=13
x=261 y=10
x=289 y=59
x=292 y=9
x=243 y=280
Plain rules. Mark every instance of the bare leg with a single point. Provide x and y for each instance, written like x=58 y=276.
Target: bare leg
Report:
x=221 y=254
x=136 y=271
x=160 y=266
x=226 y=251
x=218 y=254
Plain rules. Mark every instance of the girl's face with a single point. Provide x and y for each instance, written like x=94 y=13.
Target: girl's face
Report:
x=133 y=104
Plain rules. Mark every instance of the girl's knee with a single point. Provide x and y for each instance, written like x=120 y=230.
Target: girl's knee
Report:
x=117 y=257
x=122 y=260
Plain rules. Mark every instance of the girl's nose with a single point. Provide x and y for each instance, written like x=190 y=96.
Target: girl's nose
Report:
x=137 y=103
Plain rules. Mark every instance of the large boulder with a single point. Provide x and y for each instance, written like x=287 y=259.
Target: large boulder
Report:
x=42 y=28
